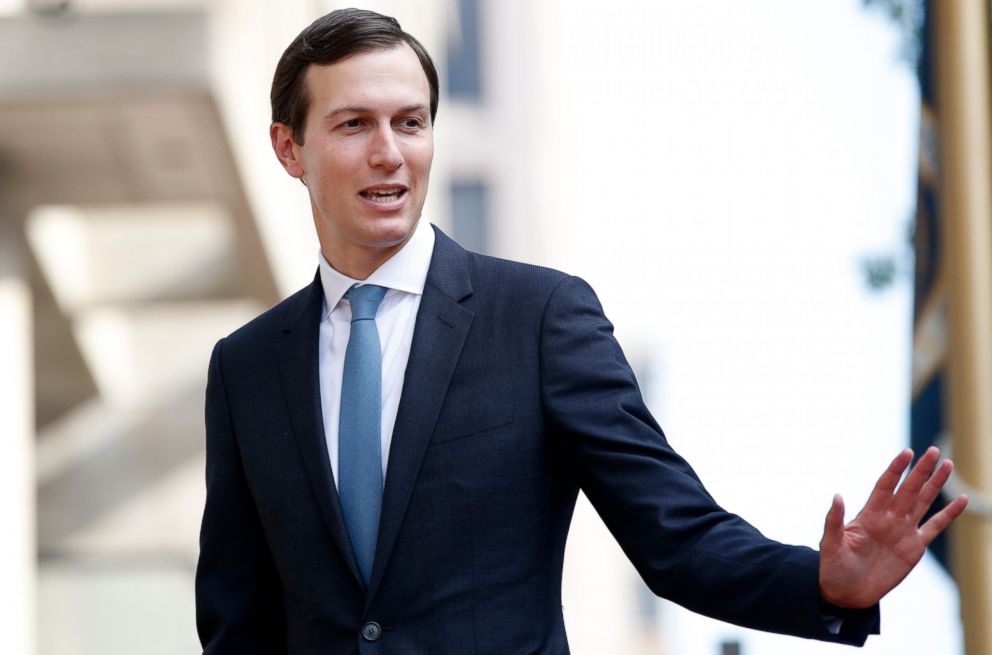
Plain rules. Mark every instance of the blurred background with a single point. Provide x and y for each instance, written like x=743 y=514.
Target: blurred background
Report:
x=739 y=181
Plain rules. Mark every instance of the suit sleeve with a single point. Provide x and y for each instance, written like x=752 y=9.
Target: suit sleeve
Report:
x=684 y=545
x=239 y=608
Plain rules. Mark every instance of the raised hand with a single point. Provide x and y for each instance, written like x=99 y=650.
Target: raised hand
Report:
x=862 y=561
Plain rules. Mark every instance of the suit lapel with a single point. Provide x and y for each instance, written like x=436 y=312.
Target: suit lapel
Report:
x=439 y=334
x=299 y=370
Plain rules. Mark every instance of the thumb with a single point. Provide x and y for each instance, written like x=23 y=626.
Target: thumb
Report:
x=833 y=526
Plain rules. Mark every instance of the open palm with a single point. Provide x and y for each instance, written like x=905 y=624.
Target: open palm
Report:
x=862 y=561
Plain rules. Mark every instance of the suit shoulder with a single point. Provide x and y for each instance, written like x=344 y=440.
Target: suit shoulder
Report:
x=266 y=325
x=452 y=264
x=506 y=272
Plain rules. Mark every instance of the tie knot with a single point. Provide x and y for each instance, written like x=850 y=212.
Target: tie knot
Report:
x=364 y=301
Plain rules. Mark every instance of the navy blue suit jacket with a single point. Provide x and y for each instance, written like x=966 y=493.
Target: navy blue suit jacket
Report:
x=516 y=395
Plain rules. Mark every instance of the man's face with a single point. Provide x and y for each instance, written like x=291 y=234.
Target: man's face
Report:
x=366 y=157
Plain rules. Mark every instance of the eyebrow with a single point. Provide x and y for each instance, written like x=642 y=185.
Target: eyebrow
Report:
x=366 y=110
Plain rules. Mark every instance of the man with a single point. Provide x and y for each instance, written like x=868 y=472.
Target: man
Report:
x=394 y=452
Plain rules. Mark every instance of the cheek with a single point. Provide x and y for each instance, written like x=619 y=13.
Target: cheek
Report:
x=336 y=160
x=423 y=159
x=335 y=178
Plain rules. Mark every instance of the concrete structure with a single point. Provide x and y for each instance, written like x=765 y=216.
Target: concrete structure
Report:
x=144 y=217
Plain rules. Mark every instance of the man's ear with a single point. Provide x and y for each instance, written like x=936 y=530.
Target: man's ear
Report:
x=286 y=149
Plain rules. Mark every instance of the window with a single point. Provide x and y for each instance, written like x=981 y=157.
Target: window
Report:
x=470 y=214
x=464 y=60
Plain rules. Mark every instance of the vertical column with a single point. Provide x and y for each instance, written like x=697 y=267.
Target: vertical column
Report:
x=966 y=171
x=18 y=568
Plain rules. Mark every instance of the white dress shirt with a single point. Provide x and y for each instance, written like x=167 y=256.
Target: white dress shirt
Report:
x=404 y=275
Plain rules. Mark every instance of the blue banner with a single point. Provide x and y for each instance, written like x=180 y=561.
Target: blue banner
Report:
x=927 y=417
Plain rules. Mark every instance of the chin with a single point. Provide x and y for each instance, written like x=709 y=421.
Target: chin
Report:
x=391 y=231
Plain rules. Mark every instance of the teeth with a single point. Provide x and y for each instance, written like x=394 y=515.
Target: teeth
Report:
x=383 y=196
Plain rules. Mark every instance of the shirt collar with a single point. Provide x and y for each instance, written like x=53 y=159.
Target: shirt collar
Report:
x=405 y=271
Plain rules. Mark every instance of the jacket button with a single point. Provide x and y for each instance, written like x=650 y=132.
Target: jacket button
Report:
x=371 y=631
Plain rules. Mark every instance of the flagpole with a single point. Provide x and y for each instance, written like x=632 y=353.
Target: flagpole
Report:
x=963 y=111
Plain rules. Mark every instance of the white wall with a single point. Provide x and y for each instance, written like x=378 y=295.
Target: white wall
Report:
x=717 y=170
x=17 y=548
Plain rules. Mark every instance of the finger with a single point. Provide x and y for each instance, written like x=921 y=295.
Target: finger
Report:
x=909 y=490
x=939 y=521
x=931 y=489
x=833 y=526
x=881 y=495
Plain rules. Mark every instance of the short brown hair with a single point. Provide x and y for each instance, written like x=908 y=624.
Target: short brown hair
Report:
x=329 y=39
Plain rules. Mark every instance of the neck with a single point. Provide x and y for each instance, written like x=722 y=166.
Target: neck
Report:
x=359 y=264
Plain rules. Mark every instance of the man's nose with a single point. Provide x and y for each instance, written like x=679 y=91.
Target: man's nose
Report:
x=385 y=152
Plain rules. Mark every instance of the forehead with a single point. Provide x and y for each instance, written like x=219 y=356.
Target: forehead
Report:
x=377 y=78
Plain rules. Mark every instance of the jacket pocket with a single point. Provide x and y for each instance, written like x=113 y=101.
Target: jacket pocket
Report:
x=481 y=420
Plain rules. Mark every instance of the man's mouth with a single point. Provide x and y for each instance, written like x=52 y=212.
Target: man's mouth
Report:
x=383 y=194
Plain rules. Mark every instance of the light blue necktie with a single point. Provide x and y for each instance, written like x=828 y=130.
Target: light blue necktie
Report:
x=359 y=449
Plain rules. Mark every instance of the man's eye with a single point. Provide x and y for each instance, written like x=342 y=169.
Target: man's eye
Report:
x=352 y=124
x=412 y=123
